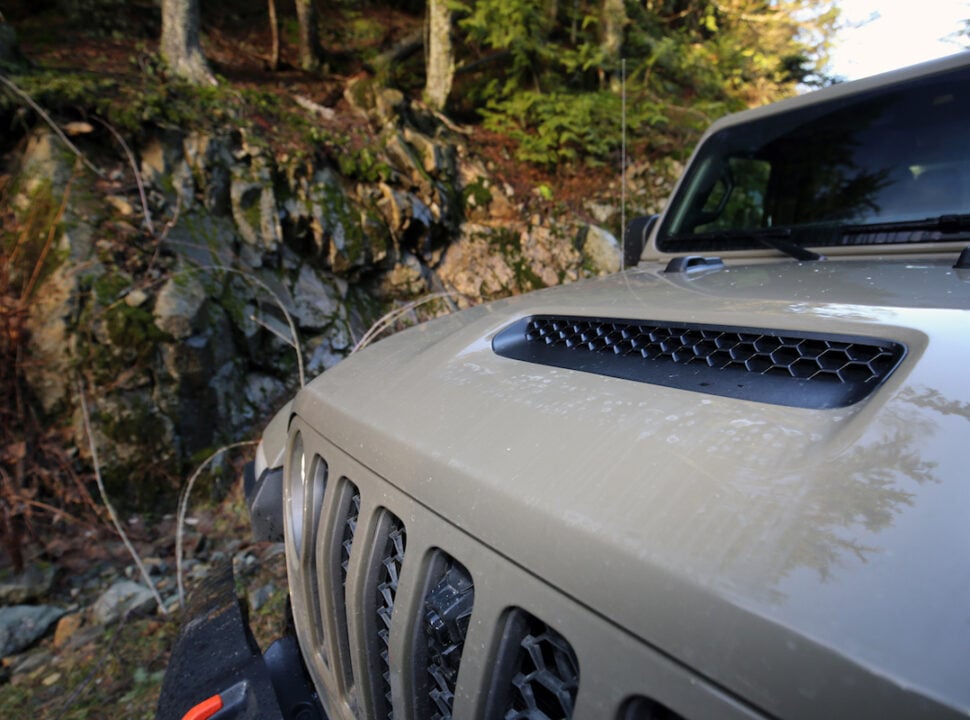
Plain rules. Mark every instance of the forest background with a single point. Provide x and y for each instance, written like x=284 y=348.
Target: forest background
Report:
x=372 y=157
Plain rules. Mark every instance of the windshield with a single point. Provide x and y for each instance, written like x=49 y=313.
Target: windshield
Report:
x=859 y=170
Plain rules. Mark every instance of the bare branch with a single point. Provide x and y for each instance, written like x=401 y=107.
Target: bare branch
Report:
x=107 y=503
x=134 y=168
x=183 y=508
x=389 y=318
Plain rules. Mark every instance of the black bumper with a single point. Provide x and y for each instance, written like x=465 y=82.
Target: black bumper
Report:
x=217 y=671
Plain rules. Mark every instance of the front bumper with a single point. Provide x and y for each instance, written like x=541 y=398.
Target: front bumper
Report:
x=217 y=672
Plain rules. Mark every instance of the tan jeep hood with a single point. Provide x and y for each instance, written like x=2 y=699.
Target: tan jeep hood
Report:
x=721 y=531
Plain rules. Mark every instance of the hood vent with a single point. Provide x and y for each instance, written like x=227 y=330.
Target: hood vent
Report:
x=796 y=369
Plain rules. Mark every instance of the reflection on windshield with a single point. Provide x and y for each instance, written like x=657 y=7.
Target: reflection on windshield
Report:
x=891 y=155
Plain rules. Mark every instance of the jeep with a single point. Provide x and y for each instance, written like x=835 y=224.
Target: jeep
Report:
x=727 y=482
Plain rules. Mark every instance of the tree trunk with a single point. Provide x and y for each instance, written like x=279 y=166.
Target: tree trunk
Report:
x=180 y=41
x=274 y=32
x=310 y=52
x=9 y=49
x=614 y=20
x=440 y=68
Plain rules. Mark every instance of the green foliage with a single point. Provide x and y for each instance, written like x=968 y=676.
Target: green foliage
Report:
x=565 y=126
x=551 y=70
x=517 y=26
x=557 y=126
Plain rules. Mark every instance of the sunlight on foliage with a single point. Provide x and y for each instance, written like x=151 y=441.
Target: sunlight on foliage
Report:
x=547 y=73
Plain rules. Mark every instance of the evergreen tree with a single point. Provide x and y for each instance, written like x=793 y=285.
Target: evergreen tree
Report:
x=556 y=88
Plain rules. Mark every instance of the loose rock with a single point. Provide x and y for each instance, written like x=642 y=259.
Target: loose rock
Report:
x=33 y=583
x=123 y=597
x=22 y=625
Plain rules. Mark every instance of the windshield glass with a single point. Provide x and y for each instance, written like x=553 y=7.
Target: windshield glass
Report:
x=857 y=170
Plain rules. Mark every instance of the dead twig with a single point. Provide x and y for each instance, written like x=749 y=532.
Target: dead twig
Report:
x=183 y=507
x=51 y=232
x=165 y=231
x=134 y=168
x=391 y=317
x=107 y=503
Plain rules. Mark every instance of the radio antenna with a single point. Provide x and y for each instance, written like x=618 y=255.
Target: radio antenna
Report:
x=623 y=158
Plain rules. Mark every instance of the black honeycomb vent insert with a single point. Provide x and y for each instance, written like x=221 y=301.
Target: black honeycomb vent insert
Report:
x=349 y=499
x=796 y=369
x=447 y=612
x=536 y=673
x=350 y=529
x=388 y=576
x=546 y=678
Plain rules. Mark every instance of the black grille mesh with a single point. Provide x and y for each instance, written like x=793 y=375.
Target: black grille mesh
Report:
x=447 y=612
x=390 y=571
x=534 y=676
x=347 y=527
x=643 y=708
x=350 y=528
x=738 y=362
x=546 y=676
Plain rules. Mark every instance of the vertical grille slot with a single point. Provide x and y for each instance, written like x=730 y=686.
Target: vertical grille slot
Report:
x=316 y=488
x=306 y=483
x=390 y=539
x=340 y=548
x=441 y=632
x=537 y=673
x=643 y=708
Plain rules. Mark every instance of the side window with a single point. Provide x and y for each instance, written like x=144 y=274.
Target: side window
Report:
x=737 y=199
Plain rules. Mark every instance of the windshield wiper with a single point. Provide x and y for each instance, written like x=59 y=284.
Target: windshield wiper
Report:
x=774 y=238
x=943 y=224
x=778 y=240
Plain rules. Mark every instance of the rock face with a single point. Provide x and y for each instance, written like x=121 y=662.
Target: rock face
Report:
x=603 y=252
x=187 y=338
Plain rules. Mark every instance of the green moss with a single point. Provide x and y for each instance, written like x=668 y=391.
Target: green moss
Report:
x=509 y=245
x=234 y=303
x=109 y=286
x=133 y=330
x=363 y=164
x=506 y=241
x=253 y=215
x=144 y=478
x=525 y=276
x=476 y=194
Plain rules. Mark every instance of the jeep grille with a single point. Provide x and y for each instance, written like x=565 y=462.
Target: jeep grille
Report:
x=393 y=625
x=795 y=369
